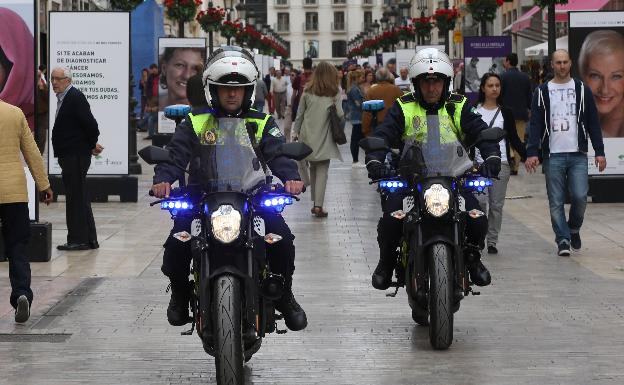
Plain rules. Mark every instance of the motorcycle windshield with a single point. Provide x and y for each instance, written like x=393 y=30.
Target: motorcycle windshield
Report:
x=435 y=154
x=226 y=158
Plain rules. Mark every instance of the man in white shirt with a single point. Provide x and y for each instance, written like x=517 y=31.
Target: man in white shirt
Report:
x=403 y=82
x=563 y=117
x=278 y=90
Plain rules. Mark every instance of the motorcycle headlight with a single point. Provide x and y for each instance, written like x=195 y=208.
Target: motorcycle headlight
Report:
x=437 y=200
x=225 y=223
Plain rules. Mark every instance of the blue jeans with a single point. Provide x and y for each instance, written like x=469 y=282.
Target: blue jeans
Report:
x=566 y=172
x=152 y=123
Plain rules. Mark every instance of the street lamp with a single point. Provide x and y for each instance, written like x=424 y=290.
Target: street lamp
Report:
x=422 y=7
x=229 y=7
x=375 y=27
x=241 y=10
x=251 y=18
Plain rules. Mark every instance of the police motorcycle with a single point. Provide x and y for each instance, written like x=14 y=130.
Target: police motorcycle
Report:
x=232 y=288
x=431 y=263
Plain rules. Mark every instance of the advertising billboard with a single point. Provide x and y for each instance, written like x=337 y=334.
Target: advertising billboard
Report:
x=178 y=60
x=483 y=54
x=98 y=57
x=597 y=40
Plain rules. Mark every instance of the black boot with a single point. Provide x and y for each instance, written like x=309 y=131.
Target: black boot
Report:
x=178 y=309
x=294 y=315
x=479 y=274
x=382 y=277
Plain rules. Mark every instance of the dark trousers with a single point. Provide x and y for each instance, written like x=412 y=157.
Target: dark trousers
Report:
x=78 y=213
x=356 y=136
x=280 y=255
x=16 y=233
x=390 y=229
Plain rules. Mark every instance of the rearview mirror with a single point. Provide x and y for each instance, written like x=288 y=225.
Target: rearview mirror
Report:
x=492 y=134
x=373 y=143
x=154 y=155
x=295 y=150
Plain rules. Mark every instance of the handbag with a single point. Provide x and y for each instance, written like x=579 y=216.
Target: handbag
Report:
x=336 y=125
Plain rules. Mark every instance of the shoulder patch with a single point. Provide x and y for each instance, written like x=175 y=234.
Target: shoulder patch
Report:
x=407 y=98
x=474 y=111
x=456 y=98
x=276 y=132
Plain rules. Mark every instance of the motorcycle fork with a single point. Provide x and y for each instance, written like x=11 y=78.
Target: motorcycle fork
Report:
x=420 y=274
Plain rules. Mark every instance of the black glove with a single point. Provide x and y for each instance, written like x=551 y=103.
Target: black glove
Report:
x=377 y=170
x=491 y=167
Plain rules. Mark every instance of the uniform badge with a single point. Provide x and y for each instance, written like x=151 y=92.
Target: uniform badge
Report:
x=210 y=137
x=275 y=132
x=416 y=122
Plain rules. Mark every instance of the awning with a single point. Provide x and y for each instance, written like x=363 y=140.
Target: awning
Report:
x=561 y=12
x=524 y=21
x=542 y=48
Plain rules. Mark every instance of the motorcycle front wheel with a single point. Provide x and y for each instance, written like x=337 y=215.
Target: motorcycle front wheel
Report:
x=440 y=296
x=227 y=325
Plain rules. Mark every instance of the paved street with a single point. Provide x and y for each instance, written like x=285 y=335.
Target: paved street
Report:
x=99 y=316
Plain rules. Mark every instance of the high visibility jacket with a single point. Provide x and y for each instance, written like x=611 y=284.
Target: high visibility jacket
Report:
x=416 y=129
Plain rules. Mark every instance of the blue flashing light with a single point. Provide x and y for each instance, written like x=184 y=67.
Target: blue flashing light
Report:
x=392 y=185
x=267 y=202
x=175 y=206
x=478 y=184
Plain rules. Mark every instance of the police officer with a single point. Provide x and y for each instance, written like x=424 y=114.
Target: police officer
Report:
x=431 y=72
x=229 y=84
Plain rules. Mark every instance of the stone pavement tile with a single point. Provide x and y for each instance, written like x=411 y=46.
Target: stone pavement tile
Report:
x=544 y=320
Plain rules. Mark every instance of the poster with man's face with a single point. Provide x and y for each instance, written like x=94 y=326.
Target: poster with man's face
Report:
x=483 y=55
x=311 y=48
x=179 y=59
x=596 y=39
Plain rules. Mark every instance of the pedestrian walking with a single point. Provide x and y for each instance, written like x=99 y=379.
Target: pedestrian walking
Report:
x=18 y=140
x=299 y=84
x=312 y=128
x=516 y=88
x=261 y=94
x=279 y=85
x=403 y=82
x=355 y=98
x=385 y=90
x=74 y=141
x=563 y=117
x=491 y=106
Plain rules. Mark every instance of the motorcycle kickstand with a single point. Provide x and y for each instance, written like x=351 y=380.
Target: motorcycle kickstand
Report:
x=277 y=330
x=395 y=292
x=470 y=291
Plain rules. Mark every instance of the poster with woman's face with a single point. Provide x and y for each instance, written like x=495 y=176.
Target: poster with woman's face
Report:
x=17 y=56
x=179 y=59
x=597 y=40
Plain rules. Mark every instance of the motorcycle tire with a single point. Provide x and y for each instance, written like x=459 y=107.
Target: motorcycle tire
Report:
x=229 y=351
x=440 y=296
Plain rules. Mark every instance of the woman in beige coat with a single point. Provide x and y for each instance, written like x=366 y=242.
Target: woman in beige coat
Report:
x=312 y=128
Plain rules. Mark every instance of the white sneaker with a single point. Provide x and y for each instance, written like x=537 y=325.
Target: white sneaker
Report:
x=22 y=312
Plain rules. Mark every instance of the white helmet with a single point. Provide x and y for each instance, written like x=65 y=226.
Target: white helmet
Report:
x=431 y=63
x=230 y=66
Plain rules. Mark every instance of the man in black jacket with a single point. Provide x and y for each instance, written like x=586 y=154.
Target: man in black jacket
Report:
x=563 y=117
x=516 y=89
x=230 y=80
x=74 y=140
x=433 y=113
